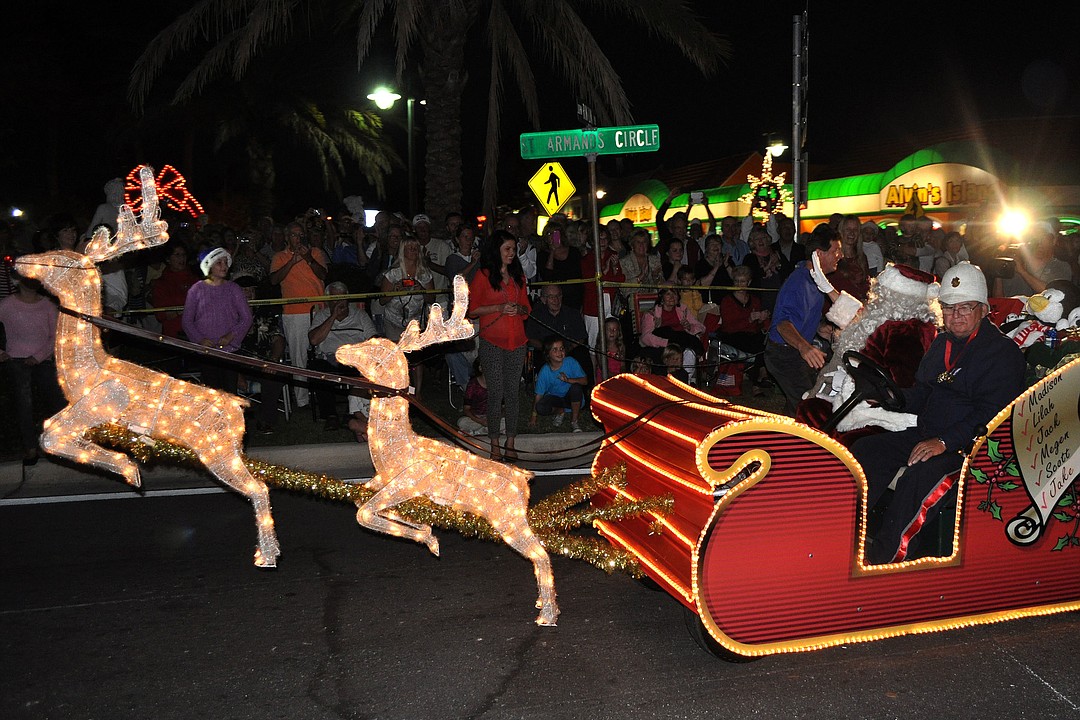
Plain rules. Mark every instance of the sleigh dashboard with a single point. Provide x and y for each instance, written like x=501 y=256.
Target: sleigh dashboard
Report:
x=766 y=538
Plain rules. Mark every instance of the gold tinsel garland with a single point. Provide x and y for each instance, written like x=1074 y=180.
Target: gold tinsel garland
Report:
x=552 y=519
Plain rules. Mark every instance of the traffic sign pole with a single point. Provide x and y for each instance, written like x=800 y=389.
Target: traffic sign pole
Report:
x=589 y=143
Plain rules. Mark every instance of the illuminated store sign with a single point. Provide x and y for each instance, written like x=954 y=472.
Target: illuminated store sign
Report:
x=941 y=185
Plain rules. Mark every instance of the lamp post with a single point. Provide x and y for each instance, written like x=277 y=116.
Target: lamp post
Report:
x=384 y=99
x=776 y=146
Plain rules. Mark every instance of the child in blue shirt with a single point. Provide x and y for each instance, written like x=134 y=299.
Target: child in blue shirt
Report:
x=559 y=385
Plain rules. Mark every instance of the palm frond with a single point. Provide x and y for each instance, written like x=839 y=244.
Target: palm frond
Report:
x=675 y=22
x=268 y=23
x=577 y=57
x=406 y=24
x=366 y=24
x=506 y=42
x=180 y=35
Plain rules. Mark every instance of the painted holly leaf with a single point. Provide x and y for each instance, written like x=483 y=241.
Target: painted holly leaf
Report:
x=979 y=475
x=1065 y=501
x=995 y=510
x=1061 y=542
x=984 y=505
x=1012 y=468
x=993 y=451
x=1063 y=516
x=1075 y=540
x=1008 y=485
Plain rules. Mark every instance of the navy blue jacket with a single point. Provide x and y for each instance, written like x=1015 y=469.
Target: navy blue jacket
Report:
x=987 y=374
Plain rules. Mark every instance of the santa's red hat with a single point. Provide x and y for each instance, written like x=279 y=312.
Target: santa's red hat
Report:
x=908 y=280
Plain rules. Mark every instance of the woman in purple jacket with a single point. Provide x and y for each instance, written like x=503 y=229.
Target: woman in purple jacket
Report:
x=216 y=315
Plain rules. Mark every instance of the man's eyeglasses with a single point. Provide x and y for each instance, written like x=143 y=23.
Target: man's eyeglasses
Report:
x=959 y=310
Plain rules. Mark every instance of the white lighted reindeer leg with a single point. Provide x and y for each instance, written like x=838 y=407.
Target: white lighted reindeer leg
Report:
x=64 y=432
x=409 y=465
x=103 y=389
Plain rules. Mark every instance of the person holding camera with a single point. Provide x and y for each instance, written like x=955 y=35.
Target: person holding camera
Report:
x=300 y=271
x=411 y=277
x=411 y=274
x=1034 y=266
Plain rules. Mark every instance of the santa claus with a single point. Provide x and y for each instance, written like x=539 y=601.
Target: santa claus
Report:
x=894 y=329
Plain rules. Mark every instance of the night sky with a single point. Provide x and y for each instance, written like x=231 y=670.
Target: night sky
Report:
x=876 y=76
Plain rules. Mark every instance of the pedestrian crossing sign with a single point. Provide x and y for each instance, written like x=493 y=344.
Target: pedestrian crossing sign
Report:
x=552 y=187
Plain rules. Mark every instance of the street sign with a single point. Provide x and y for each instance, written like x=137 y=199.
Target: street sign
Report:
x=552 y=187
x=602 y=141
x=585 y=115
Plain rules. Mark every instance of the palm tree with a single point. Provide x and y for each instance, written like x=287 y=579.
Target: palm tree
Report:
x=329 y=135
x=287 y=111
x=437 y=31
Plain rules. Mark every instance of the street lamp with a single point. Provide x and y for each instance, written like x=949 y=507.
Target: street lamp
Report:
x=776 y=146
x=384 y=99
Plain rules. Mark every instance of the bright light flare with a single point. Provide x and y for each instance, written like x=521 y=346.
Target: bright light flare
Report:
x=1013 y=223
x=384 y=98
x=777 y=148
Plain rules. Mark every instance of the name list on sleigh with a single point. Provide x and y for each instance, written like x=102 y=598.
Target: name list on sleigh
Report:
x=1046 y=437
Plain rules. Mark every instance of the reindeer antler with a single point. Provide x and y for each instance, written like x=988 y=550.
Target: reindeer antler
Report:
x=130 y=235
x=456 y=327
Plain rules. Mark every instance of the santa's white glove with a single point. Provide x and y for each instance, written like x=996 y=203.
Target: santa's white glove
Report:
x=818 y=276
x=839 y=379
x=864 y=415
x=843 y=310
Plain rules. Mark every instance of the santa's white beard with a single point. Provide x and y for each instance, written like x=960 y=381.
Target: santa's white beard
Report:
x=882 y=305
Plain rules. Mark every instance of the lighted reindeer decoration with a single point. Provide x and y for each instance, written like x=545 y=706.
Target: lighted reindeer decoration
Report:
x=103 y=389
x=409 y=466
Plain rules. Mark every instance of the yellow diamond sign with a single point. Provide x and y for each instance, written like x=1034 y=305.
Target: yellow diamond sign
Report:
x=552 y=187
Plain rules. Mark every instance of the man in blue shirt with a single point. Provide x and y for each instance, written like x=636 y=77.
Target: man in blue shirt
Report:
x=790 y=355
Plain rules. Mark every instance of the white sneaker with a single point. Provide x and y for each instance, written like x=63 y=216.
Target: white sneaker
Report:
x=574 y=427
x=556 y=421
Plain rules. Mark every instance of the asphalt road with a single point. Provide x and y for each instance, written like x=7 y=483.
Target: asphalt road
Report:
x=149 y=607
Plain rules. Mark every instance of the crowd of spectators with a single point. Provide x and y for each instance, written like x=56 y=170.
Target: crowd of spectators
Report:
x=678 y=298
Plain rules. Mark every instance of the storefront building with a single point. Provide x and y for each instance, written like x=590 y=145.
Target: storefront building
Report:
x=954 y=182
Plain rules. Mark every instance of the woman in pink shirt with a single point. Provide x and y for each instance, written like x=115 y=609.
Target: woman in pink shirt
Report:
x=29 y=320
x=671 y=323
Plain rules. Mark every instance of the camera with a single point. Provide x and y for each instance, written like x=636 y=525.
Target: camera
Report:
x=697 y=197
x=408 y=282
x=1001 y=267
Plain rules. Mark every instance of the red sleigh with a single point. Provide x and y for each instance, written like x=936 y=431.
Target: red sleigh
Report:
x=766 y=538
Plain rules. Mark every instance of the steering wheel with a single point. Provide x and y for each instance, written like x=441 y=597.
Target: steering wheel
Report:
x=871 y=382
